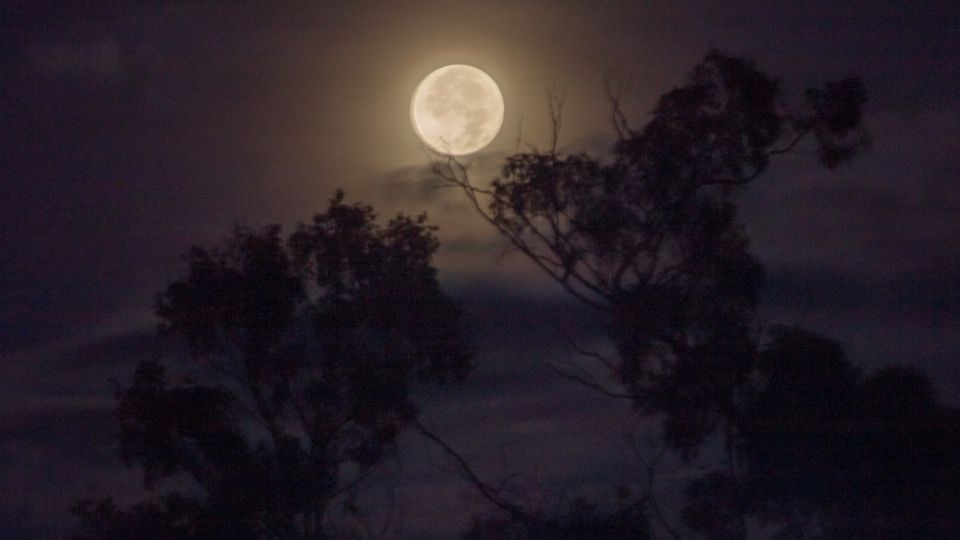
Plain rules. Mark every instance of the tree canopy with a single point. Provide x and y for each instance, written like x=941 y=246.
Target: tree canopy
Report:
x=839 y=455
x=650 y=234
x=650 y=237
x=304 y=351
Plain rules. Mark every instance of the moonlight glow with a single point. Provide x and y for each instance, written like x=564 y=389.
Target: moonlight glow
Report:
x=457 y=110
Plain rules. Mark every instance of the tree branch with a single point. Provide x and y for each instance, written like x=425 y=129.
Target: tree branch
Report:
x=489 y=493
x=650 y=467
x=588 y=382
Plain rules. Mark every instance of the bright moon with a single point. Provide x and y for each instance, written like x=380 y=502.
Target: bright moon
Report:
x=457 y=110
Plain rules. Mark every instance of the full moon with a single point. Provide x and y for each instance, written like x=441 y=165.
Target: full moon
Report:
x=457 y=110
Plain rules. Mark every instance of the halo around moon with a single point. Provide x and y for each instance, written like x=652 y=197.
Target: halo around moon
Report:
x=457 y=110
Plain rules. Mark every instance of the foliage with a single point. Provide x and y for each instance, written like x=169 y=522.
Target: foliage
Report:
x=650 y=236
x=308 y=348
x=845 y=455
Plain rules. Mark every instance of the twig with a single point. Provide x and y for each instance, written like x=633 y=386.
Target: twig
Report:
x=609 y=364
x=555 y=99
x=588 y=382
x=618 y=119
x=488 y=492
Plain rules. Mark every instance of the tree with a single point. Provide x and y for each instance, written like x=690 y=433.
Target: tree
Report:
x=650 y=238
x=831 y=454
x=309 y=348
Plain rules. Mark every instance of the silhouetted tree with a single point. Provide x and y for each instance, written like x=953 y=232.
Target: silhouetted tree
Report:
x=649 y=236
x=833 y=455
x=714 y=506
x=796 y=433
x=309 y=347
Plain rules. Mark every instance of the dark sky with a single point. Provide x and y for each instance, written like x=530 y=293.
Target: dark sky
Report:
x=127 y=134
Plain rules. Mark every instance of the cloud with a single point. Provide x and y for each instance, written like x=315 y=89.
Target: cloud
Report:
x=915 y=297
x=416 y=183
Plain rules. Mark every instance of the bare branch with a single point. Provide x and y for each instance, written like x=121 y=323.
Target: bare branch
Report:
x=555 y=99
x=609 y=364
x=792 y=144
x=615 y=89
x=519 y=134
x=454 y=171
x=588 y=381
x=650 y=467
x=488 y=492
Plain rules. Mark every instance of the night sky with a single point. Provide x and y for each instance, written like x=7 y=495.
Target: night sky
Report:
x=129 y=134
